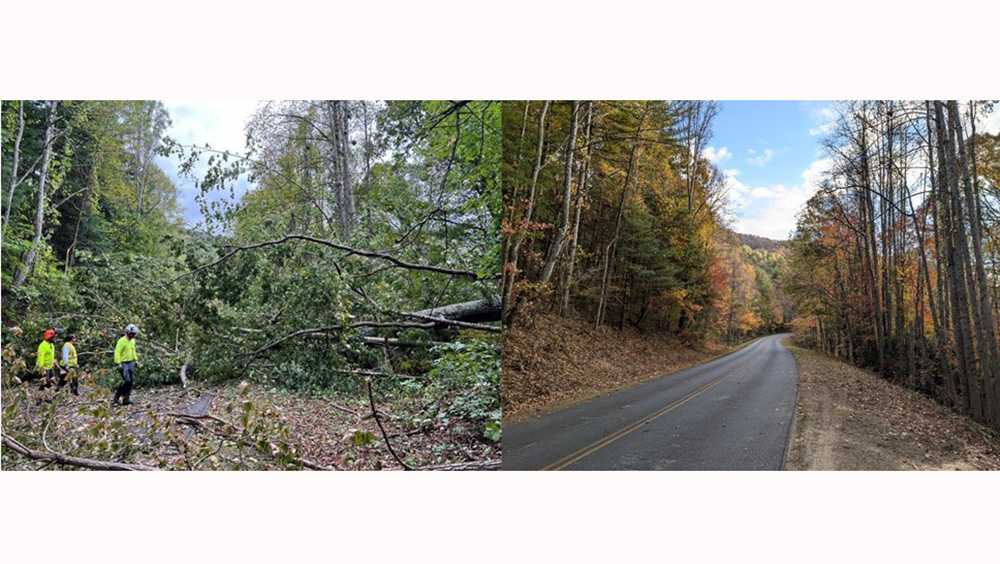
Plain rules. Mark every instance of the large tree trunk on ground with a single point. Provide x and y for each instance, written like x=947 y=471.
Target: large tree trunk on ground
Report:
x=472 y=311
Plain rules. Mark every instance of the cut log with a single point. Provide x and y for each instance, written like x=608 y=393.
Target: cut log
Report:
x=473 y=311
x=474 y=465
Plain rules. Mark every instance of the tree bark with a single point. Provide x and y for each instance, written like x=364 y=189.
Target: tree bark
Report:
x=65 y=460
x=952 y=226
x=16 y=161
x=510 y=269
x=343 y=190
x=580 y=195
x=29 y=261
x=989 y=356
x=475 y=311
x=559 y=242
x=610 y=249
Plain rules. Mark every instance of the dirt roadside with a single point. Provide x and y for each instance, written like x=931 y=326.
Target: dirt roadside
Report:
x=553 y=362
x=847 y=418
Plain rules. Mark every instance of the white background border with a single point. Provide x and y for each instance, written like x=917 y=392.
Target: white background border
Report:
x=507 y=50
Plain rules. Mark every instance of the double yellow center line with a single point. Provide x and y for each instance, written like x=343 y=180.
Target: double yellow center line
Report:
x=586 y=451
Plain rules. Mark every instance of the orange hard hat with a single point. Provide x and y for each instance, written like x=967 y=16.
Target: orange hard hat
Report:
x=49 y=333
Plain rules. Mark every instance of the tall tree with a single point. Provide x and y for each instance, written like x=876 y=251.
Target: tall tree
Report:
x=29 y=260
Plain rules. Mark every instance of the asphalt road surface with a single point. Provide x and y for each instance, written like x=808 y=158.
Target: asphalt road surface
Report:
x=733 y=413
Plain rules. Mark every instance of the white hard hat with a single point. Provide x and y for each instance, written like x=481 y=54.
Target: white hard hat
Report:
x=131 y=328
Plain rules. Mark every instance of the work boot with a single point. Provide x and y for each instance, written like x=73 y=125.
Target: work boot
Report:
x=126 y=401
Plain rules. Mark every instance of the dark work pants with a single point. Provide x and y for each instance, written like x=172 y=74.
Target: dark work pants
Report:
x=45 y=376
x=71 y=375
x=128 y=375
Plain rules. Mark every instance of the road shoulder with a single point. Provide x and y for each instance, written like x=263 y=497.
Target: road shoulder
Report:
x=554 y=363
x=847 y=418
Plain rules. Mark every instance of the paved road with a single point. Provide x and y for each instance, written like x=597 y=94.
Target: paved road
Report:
x=732 y=413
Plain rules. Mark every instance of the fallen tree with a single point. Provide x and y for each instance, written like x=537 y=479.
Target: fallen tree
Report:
x=474 y=311
x=54 y=457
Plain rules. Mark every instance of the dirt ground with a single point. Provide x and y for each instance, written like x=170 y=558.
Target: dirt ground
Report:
x=321 y=429
x=850 y=419
x=550 y=362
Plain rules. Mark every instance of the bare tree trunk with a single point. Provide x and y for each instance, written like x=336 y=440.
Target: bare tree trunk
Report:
x=974 y=373
x=953 y=219
x=581 y=187
x=510 y=270
x=29 y=260
x=989 y=357
x=610 y=249
x=71 y=249
x=16 y=161
x=731 y=326
x=699 y=119
x=870 y=255
x=510 y=196
x=368 y=143
x=559 y=241
x=343 y=190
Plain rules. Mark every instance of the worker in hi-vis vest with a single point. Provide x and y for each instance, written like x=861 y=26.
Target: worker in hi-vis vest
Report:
x=44 y=361
x=125 y=359
x=70 y=366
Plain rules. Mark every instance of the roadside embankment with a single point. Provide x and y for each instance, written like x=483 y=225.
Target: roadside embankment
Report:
x=847 y=418
x=551 y=362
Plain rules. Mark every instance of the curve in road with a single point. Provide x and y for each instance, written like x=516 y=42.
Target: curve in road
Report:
x=732 y=413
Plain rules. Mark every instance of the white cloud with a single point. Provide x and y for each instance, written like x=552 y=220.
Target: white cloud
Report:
x=814 y=173
x=759 y=158
x=716 y=156
x=827 y=119
x=770 y=211
x=990 y=124
x=738 y=194
x=218 y=123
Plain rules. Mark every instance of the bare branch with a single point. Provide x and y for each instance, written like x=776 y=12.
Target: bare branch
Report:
x=377 y=255
x=66 y=460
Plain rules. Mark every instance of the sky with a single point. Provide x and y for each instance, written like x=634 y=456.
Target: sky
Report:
x=217 y=122
x=770 y=154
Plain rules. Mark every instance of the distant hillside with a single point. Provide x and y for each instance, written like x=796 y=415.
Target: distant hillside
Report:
x=757 y=242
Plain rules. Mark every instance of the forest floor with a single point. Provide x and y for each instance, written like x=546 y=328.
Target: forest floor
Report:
x=848 y=418
x=327 y=430
x=550 y=362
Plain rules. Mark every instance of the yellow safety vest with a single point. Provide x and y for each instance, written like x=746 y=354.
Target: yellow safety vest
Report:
x=72 y=362
x=125 y=351
x=46 y=355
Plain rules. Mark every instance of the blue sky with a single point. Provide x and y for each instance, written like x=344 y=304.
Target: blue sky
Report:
x=220 y=123
x=770 y=153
